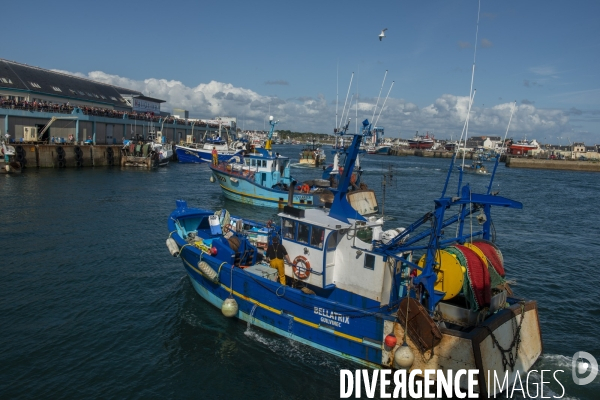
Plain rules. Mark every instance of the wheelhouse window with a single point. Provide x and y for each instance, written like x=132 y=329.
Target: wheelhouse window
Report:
x=303 y=232
x=289 y=228
x=317 y=236
x=369 y=261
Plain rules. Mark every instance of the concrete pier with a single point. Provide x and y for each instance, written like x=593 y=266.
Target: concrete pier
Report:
x=67 y=155
x=426 y=153
x=568 y=165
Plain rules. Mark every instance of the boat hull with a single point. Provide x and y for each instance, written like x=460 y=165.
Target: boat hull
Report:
x=477 y=349
x=192 y=155
x=359 y=336
x=420 y=145
x=240 y=188
x=311 y=162
x=308 y=319
x=383 y=150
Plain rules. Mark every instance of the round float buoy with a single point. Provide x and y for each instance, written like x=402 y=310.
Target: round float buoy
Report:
x=229 y=307
x=390 y=341
x=403 y=357
x=212 y=179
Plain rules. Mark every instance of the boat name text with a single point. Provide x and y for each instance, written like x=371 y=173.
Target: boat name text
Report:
x=332 y=318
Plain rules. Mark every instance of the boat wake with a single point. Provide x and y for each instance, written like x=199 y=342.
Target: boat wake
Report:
x=292 y=350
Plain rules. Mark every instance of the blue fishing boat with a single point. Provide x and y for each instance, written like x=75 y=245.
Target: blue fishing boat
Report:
x=432 y=295
x=262 y=177
x=191 y=153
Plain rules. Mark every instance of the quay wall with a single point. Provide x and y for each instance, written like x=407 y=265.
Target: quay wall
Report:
x=426 y=153
x=68 y=156
x=567 y=165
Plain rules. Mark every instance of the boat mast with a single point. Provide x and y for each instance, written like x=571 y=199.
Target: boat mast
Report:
x=376 y=104
x=383 y=105
x=346 y=101
x=502 y=149
x=471 y=93
x=466 y=125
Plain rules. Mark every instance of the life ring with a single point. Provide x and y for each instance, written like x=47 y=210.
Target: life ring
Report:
x=302 y=272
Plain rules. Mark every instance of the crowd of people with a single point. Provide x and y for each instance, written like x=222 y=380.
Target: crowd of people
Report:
x=67 y=108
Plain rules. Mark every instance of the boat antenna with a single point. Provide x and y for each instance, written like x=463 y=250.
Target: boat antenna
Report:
x=356 y=105
x=337 y=94
x=346 y=101
x=471 y=92
x=383 y=105
x=380 y=89
x=464 y=132
x=456 y=149
x=502 y=149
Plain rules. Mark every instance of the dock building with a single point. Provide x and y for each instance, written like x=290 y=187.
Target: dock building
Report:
x=44 y=106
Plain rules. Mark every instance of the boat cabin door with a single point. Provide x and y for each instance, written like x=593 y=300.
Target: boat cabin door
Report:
x=330 y=248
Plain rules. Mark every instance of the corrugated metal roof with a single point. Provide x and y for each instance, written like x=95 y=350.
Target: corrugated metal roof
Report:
x=24 y=77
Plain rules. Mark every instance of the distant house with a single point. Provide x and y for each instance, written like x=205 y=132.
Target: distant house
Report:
x=484 y=142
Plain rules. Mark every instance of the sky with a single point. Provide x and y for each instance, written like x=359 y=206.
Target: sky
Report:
x=312 y=64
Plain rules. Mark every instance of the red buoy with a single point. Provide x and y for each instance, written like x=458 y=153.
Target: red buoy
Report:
x=390 y=340
x=213 y=251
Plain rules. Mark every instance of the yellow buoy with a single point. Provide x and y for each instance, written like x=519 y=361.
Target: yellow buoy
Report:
x=450 y=274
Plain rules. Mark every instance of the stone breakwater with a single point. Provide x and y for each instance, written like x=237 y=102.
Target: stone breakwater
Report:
x=568 y=165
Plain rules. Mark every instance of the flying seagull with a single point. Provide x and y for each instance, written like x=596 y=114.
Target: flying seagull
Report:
x=382 y=34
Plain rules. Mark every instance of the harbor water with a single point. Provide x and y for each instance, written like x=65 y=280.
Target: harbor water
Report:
x=92 y=304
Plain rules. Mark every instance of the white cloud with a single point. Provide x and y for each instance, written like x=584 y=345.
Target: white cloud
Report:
x=444 y=117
